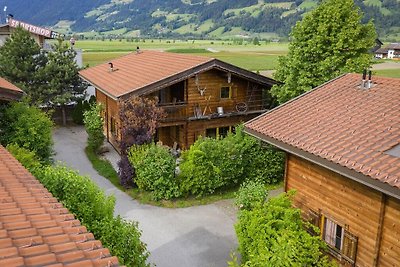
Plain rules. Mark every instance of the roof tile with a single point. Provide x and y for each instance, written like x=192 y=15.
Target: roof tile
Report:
x=343 y=123
x=36 y=230
x=137 y=70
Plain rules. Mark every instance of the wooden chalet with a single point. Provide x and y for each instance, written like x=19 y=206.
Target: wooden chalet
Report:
x=202 y=96
x=342 y=142
x=9 y=92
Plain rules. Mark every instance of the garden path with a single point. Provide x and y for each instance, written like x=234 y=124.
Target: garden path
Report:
x=200 y=236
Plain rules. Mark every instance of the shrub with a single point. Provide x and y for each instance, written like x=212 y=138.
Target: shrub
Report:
x=199 y=173
x=94 y=127
x=78 y=193
x=95 y=210
x=27 y=158
x=250 y=195
x=125 y=172
x=28 y=127
x=155 y=170
x=123 y=240
x=274 y=233
x=80 y=108
x=210 y=164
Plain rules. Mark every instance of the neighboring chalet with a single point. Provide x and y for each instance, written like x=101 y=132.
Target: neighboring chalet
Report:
x=9 y=92
x=36 y=229
x=391 y=51
x=202 y=96
x=342 y=144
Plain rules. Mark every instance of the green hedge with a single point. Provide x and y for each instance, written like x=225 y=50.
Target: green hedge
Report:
x=273 y=234
x=94 y=127
x=211 y=164
x=91 y=206
x=29 y=128
x=155 y=170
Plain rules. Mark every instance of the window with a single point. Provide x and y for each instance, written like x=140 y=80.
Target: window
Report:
x=219 y=132
x=225 y=92
x=113 y=126
x=342 y=244
x=333 y=234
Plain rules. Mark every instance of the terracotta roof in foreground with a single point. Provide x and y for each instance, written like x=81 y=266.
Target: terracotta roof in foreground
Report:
x=137 y=70
x=342 y=124
x=36 y=230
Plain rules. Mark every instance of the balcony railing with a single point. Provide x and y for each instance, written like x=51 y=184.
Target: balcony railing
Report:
x=174 y=111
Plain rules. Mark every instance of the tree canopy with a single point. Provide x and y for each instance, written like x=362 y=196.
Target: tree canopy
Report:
x=21 y=62
x=47 y=77
x=329 y=41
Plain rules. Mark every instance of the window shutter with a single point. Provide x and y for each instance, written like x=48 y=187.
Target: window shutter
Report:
x=349 y=250
x=314 y=219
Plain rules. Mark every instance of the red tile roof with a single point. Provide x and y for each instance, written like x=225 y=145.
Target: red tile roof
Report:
x=9 y=91
x=137 y=70
x=36 y=230
x=4 y=84
x=343 y=124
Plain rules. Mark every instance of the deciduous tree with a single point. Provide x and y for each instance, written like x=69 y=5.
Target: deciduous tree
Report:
x=329 y=41
x=138 y=120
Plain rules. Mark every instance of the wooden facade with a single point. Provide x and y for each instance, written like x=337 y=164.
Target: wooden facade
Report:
x=208 y=103
x=368 y=216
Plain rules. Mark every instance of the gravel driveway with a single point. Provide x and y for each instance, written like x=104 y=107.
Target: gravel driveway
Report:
x=200 y=236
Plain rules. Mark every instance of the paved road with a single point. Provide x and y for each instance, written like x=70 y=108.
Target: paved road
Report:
x=200 y=236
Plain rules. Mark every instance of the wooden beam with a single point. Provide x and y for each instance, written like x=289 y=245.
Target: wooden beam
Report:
x=380 y=229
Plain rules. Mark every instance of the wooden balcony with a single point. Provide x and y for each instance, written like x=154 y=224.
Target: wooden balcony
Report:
x=174 y=111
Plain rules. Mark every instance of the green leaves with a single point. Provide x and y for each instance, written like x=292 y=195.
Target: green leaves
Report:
x=272 y=234
x=94 y=127
x=329 y=41
x=29 y=128
x=155 y=170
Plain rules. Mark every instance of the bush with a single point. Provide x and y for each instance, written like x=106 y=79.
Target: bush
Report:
x=80 y=108
x=78 y=193
x=155 y=170
x=211 y=164
x=27 y=158
x=125 y=172
x=250 y=195
x=274 y=233
x=123 y=240
x=95 y=210
x=28 y=127
x=199 y=173
x=94 y=127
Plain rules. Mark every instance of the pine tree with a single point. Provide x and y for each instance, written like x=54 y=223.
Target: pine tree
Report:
x=64 y=84
x=329 y=41
x=21 y=61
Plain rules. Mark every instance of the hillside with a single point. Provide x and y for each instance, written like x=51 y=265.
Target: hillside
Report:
x=189 y=18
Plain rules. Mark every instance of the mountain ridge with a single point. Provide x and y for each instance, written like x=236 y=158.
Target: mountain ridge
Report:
x=189 y=18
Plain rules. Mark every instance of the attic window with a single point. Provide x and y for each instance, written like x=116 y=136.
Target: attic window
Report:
x=395 y=151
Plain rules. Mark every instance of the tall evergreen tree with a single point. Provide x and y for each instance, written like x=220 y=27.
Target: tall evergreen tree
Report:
x=21 y=61
x=64 y=84
x=329 y=41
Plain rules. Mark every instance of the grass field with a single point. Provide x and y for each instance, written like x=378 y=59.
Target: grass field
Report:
x=252 y=57
x=248 y=56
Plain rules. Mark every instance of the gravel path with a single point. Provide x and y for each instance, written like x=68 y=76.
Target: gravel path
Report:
x=197 y=236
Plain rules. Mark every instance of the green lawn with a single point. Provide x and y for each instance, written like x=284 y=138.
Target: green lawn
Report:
x=394 y=73
x=248 y=56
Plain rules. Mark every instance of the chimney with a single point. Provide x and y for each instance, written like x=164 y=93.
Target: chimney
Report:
x=369 y=84
x=111 y=66
x=364 y=79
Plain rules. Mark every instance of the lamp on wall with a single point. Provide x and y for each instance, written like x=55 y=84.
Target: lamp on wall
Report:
x=229 y=77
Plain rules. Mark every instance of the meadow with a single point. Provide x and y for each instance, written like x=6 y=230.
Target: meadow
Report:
x=262 y=57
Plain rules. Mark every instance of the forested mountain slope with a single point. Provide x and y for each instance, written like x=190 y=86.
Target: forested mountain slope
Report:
x=202 y=18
